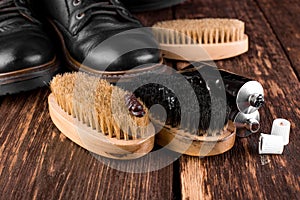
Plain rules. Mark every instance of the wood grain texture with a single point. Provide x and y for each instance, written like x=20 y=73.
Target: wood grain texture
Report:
x=38 y=162
x=283 y=18
x=151 y=17
x=242 y=173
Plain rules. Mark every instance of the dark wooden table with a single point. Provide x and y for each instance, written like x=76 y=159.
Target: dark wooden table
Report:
x=37 y=162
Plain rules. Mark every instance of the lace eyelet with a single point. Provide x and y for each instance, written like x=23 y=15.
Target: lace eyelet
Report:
x=76 y=2
x=79 y=16
x=125 y=12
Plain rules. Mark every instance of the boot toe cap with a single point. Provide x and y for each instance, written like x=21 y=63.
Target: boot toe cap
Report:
x=23 y=51
x=123 y=52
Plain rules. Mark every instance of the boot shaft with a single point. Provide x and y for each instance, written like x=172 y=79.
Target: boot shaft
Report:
x=73 y=15
x=59 y=10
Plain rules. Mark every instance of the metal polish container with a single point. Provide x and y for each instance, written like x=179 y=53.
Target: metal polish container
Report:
x=246 y=124
x=244 y=96
x=247 y=94
x=243 y=93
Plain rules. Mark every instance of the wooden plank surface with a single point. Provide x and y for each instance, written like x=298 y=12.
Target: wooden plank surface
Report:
x=242 y=173
x=148 y=18
x=283 y=18
x=37 y=162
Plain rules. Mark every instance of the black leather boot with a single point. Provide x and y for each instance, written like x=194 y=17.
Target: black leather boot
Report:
x=27 y=58
x=146 y=5
x=102 y=38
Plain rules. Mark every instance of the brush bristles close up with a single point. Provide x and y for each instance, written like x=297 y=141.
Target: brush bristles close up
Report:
x=199 y=31
x=99 y=105
x=191 y=115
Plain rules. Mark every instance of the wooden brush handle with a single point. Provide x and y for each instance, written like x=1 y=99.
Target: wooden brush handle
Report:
x=97 y=142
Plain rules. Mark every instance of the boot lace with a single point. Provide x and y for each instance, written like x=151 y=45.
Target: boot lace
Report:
x=103 y=7
x=9 y=9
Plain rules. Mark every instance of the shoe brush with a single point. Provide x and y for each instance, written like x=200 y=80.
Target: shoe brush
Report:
x=192 y=126
x=201 y=39
x=100 y=117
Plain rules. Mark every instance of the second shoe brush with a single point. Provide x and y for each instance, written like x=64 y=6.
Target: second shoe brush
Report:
x=201 y=39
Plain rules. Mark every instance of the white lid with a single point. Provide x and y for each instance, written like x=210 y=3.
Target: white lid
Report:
x=281 y=127
x=270 y=144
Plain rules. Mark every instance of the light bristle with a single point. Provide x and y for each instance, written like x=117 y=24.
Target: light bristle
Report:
x=199 y=31
x=98 y=105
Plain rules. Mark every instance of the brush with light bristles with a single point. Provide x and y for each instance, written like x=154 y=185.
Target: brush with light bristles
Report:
x=100 y=117
x=201 y=39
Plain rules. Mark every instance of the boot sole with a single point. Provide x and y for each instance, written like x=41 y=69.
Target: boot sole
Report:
x=159 y=4
x=112 y=77
x=28 y=79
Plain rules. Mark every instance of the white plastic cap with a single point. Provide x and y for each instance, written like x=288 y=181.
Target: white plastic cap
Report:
x=270 y=144
x=281 y=127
